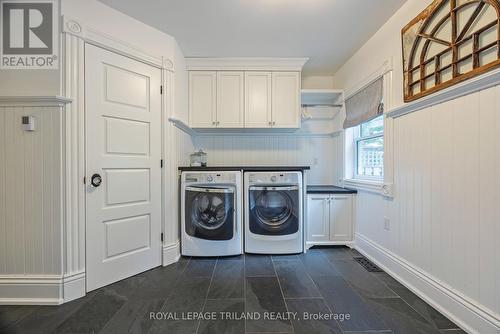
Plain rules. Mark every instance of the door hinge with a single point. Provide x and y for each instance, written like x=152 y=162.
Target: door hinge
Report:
x=84 y=180
x=161 y=163
x=161 y=236
x=161 y=89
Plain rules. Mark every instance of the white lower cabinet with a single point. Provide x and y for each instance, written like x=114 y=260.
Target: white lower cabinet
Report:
x=329 y=219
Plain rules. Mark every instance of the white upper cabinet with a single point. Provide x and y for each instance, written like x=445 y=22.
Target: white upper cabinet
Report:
x=230 y=99
x=258 y=99
x=286 y=99
x=202 y=99
x=252 y=93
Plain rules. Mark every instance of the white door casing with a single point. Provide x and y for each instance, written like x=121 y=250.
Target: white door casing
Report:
x=123 y=145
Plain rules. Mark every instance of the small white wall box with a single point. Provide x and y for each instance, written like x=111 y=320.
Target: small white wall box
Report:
x=28 y=123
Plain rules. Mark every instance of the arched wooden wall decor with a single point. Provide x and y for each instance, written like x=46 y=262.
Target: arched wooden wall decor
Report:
x=450 y=41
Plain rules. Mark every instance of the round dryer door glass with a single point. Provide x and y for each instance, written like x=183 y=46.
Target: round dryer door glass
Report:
x=273 y=208
x=209 y=210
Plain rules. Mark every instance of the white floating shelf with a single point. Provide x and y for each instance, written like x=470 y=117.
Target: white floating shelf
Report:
x=322 y=97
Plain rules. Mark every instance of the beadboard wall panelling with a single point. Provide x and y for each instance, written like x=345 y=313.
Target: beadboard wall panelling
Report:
x=273 y=150
x=318 y=144
x=30 y=192
x=445 y=216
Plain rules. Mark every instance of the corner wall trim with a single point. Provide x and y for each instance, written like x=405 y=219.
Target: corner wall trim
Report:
x=171 y=253
x=31 y=290
x=73 y=286
x=470 y=315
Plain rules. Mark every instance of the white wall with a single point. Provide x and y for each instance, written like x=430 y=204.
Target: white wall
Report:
x=445 y=214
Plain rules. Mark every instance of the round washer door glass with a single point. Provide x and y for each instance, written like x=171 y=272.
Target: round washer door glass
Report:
x=209 y=210
x=274 y=208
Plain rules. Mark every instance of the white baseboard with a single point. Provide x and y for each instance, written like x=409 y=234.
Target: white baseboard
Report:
x=31 y=290
x=171 y=253
x=468 y=314
x=73 y=286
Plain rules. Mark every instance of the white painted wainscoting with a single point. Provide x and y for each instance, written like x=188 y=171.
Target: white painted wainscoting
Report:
x=445 y=216
x=30 y=204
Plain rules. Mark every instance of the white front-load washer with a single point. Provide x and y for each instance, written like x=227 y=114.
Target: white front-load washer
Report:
x=211 y=213
x=273 y=212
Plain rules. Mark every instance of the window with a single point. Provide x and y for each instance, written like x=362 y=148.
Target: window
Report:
x=369 y=149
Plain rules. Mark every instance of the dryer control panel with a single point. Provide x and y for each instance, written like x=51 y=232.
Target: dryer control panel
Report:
x=275 y=177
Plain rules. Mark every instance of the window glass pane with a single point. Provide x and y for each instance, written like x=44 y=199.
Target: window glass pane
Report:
x=373 y=127
x=371 y=157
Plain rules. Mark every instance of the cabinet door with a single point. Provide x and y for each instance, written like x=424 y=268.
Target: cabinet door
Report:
x=230 y=100
x=340 y=218
x=202 y=99
x=258 y=99
x=318 y=221
x=286 y=100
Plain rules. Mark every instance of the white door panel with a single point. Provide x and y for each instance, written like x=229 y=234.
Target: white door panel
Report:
x=123 y=137
x=230 y=99
x=318 y=218
x=286 y=99
x=202 y=99
x=257 y=99
x=341 y=218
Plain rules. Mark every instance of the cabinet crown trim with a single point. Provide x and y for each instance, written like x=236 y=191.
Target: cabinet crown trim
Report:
x=246 y=64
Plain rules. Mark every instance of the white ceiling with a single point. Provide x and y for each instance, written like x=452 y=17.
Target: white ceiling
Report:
x=326 y=31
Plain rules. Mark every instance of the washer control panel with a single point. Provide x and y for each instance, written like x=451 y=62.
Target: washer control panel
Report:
x=210 y=177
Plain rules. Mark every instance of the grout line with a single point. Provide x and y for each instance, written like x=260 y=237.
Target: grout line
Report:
x=282 y=294
x=319 y=291
x=206 y=295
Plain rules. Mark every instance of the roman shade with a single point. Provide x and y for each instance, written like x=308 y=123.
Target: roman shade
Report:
x=365 y=105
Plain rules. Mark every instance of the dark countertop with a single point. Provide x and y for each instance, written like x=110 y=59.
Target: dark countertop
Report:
x=246 y=168
x=328 y=189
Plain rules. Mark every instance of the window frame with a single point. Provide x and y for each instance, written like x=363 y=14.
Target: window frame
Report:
x=357 y=138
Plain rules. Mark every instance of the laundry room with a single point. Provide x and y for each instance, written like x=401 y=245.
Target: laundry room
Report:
x=264 y=166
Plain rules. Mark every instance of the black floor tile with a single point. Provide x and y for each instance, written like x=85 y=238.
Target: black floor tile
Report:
x=200 y=267
x=133 y=317
x=400 y=317
x=284 y=257
x=188 y=296
x=228 y=280
x=307 y=310
x=317 y=264
x=362 y=280
x=263 y=296
x=453 y=331
x=93 y=315
x=258 y=265
x=343 y=299
x=425 y=310
x=337 y=252
x=294 y=280
x=10 y=315
x=232 y=258
x=225 y=321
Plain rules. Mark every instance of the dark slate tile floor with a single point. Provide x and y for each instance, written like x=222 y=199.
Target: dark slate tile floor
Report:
x=308 y=293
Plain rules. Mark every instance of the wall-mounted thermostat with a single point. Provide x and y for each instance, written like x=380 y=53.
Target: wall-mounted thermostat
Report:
x=29 y=123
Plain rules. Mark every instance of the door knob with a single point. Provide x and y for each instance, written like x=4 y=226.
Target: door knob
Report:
x=96 y=180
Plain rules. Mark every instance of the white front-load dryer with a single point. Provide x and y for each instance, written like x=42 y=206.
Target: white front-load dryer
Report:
x=211 y=213
x=273 y=212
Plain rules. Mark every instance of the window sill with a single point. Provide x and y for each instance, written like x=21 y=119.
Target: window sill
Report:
x=379 y=187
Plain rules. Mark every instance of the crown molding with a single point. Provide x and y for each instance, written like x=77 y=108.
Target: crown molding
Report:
x=91 y=35
x=246 y=64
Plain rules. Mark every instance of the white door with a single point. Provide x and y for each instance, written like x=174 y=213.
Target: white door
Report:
x=202 y=99
x=230 y=99
x=286 y=99
x=318 y=218
x=340 y=218
x=123 y=136
x=257 y=99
